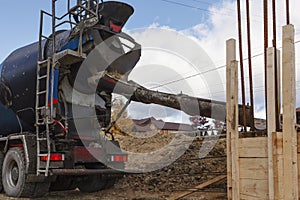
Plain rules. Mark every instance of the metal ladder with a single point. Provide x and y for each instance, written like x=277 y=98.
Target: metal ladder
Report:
x=44 y=95
x=43 y=112
x=45 y=72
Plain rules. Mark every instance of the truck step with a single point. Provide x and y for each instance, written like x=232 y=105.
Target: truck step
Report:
x=68 y=57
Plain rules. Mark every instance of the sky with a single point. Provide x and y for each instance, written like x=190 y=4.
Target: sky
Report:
x=21 y=20
x=208 y=22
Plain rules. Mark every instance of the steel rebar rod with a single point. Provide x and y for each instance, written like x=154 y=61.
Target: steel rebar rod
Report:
x=266 y=44
x=250 y=63
x=276 y=72
x=287 y=12
x=242 y=64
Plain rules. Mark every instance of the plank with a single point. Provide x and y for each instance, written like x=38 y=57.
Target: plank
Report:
x=271 y=115
x=233 y=122
x=289 y=116
x=298 y=142
x=199 y=187
x=298 y=173
x=253 y=147
x=280 y=177
x=255 y=188
x=254 y=168
x=253 y=142
x=278 y=165
x=230 y=56
x=250 y=197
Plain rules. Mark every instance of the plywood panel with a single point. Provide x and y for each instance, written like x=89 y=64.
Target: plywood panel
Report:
x=254 y=168
x=254 y=188
x=253 y=147
x=253 y=142
x=255 y=152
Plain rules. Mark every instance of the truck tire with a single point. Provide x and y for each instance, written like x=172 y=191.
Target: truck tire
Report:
x=63 y=183
x=14 y=177
x=92 y=184
x=110 y=182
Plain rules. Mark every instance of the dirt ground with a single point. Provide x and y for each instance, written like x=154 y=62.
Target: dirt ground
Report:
x=184 y=174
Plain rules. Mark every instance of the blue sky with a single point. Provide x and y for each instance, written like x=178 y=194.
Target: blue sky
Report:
x=20 y=24
x=19 y=21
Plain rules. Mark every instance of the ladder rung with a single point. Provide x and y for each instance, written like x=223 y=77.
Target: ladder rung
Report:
x=41 y=108
x=42 y=77
x=41 y=170
x=42 y=92
x=41 y=139
x=42 y=154
x=43 y=63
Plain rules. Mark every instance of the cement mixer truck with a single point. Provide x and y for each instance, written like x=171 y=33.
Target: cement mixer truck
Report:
x=56 y=101
x=41 y=148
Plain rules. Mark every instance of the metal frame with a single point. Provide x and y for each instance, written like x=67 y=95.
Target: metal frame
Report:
x=44 y=112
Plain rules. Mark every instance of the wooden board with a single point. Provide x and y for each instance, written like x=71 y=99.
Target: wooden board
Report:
x=250 y=197
x=255 y=188
x=298 y=173
x=278 y=165
x=231 y=117
x=289 y=116
x=199 y=187
x=253 y=147
x=254 y=168
x=233 y=121
x=298 y=142
x=271 y=114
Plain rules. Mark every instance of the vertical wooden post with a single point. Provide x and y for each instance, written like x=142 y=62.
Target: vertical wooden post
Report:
x=289 y=115
x=232 y=121
x=278 y=165
x=271 y=110
x=230 y=56
x=235 y=132
x=271 y=116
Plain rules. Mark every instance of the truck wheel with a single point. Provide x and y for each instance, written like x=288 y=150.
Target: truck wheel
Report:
x=110 y=182
x=91 y=184
x=14 y=177
x=63 y=183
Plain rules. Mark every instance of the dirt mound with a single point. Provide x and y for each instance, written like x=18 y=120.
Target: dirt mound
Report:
x=191 y=169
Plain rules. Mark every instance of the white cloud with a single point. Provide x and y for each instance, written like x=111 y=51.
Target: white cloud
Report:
x=221 y=25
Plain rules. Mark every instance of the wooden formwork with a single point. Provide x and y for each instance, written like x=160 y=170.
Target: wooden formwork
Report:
x=265 y=167
x=253 y=165
x=254 y=169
